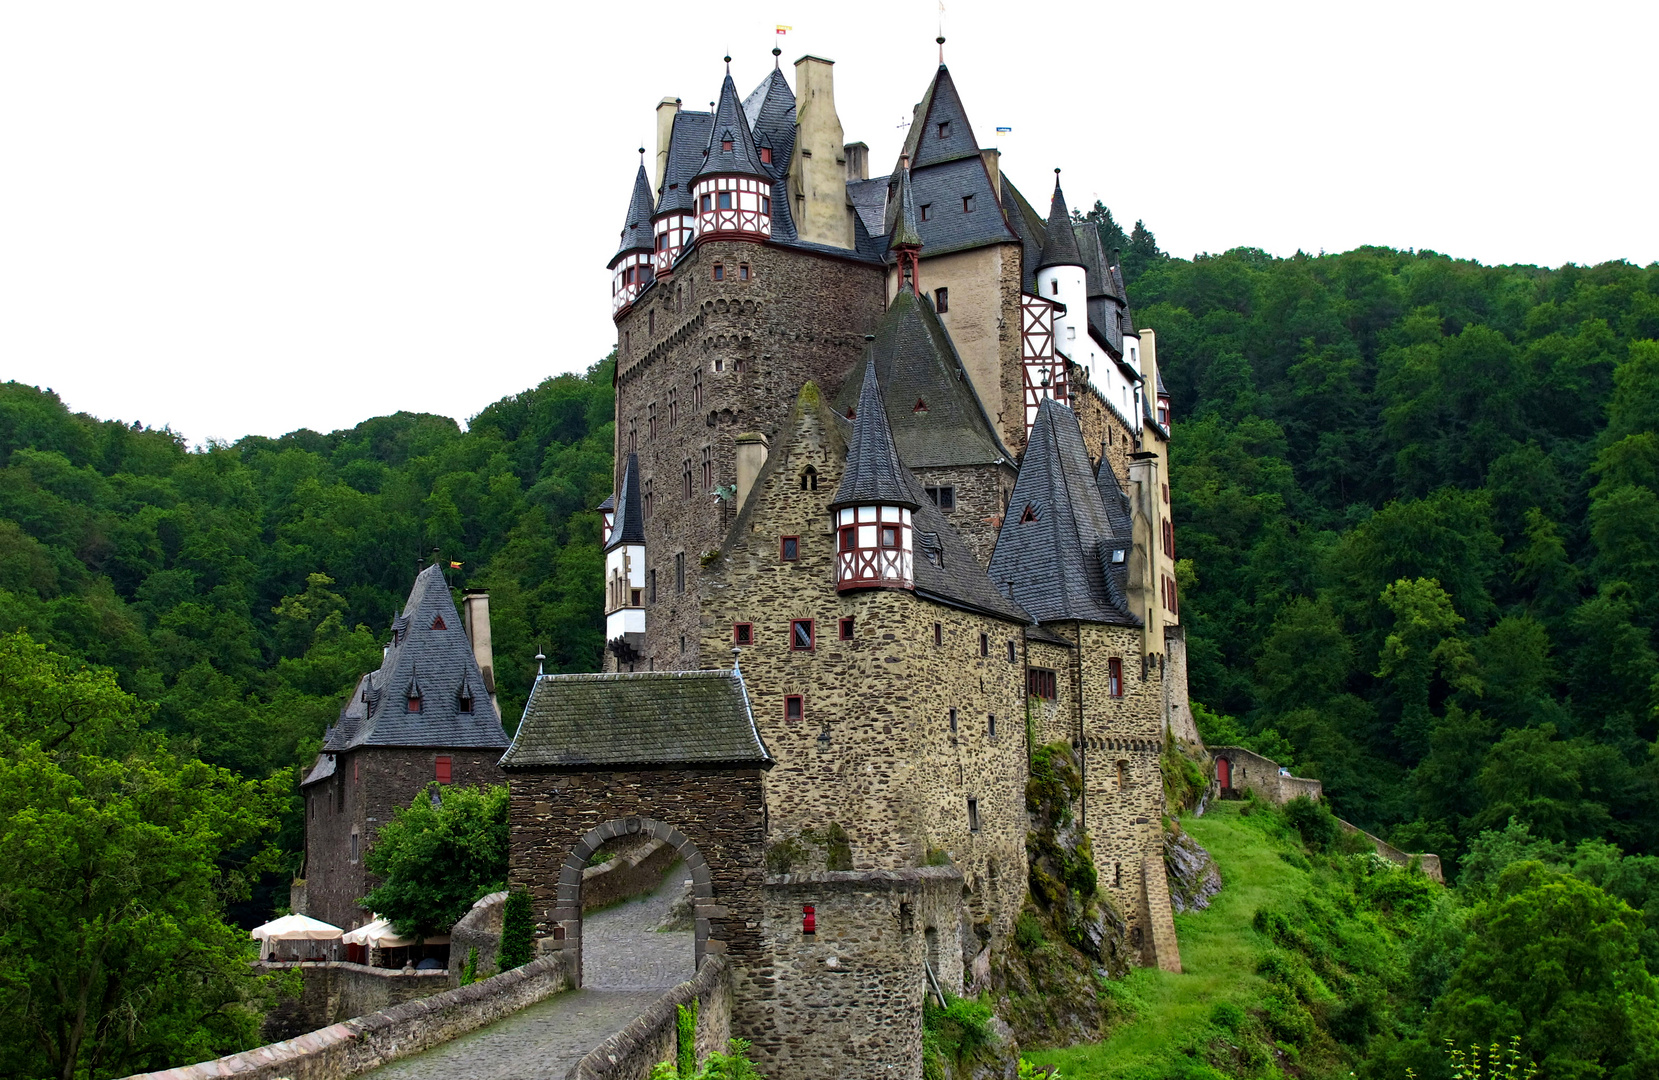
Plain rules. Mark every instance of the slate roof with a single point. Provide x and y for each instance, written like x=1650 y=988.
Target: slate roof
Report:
x=686 y=142
x=1059 y=241
x=873 y=473
x=628 y=526
x=649 y=719
x=1061 y=563
x=948 y=226
x=1028 y=225
x=1104 y=321
x=770 y=112
x=905 y=233
x=941 y=104
x=869 y=200
x=915 y=361
x=946 y=570
x=430 y=651
x=636 y=228
x=731 y=125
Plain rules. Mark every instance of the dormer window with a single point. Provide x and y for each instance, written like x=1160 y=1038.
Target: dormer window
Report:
x=967 y=204
x=413 y=702
x=1028 y=515
x=439 y=624
x=766 y=155
x=726 y=145
x=463 y=701
x=944 y=129
x=927 y=211
x=920 y=406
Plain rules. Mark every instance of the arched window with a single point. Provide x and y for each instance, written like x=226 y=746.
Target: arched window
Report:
x=809 y=479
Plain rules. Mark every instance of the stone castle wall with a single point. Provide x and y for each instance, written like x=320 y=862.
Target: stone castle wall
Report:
x=982 y=493
x=1179 y=721
x=653 y=1036
x=750 y=344
x=336 y=990
x=368 y=786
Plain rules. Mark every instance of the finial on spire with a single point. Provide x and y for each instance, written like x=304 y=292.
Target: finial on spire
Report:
x=941 y=40
x=728 y=63
x=776 y=53
x=539 y=658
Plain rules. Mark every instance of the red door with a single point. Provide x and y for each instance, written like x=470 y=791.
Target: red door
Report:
x=1224 y=773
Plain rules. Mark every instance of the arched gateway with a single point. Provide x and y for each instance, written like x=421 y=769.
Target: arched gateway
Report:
x=673 y=756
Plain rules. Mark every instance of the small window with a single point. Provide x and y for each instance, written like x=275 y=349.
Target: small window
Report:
x=354 y=845
x=1166 y=493
x=944 y=497
x=927 y=211
x=847 y=628
x=765 y=205
x=439 y=624
x=889 y=536
x=800 y=635
x=967 y=204
x=743 y=633
x=724 y=199
x=920 y=406
x=1041 y=683
x=720 y=271
x=793 y=709
x=679 y=571
x=682 y=644
x=849 y=538
x=1011 y=652
x=985 y=644
x=1123 y=776
x=938 y=633
x=413 y=704
x=941 y=300
x=463 y=701
x=706 y=204
x=1114 y=677
x=789 y=549
x=651 y=580
x=634 y=597
x=953 y=719
x=1028 y=516
x=991 y=724
x=1054 y=287
x=441 y=767
x=973 y=815
x=766 y=155
x=944 y=129
x=809 y=479
x=743 y=271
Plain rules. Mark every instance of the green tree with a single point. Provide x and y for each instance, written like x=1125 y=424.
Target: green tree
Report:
x=1422 y=644
x=437 y=856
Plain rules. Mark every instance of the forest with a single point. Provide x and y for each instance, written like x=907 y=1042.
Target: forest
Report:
x=1417 y=517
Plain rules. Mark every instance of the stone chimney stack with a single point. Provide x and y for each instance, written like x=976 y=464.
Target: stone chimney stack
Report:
x=858 y=161
x=818 y=171
x=751 y=456
x=667 y=109
x=475 y=614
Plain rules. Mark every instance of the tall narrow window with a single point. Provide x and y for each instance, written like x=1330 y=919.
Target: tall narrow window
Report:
x=1123 y=776
x=953 y=719
x=985 y=644
x=941 y=300
x=1011 y=652
x=809 y=479
x=633 y=435
x=354 y=845
x=973 y=815
x=679 y=571
x=697 y=387
x=938 y=633
x=651 y=580
x=800 y=635
x=463 y=701
x=1054 y=287
x=651 y=420
x=789 y=548
x=847 y=628
x=685 y=478
x=673 y=407
x=441 y=769
x=991 y=724
x=650 y=499
x=793 y=707
x=1114 y=677
x=708 y=468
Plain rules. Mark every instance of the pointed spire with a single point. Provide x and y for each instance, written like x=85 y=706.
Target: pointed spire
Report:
x=907 y=235
x=628 y=527
x=731 y=148
x=1060 y=245
x=873 y=474
x=636 y=229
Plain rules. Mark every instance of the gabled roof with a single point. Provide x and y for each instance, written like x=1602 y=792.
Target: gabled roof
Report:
x=686 y=143
x=1057 y=540
x=731 y=126
x=636 y=228
x=628 y=526
x=869 y=199
x=1059 y=242
x=770 y=112
x=1104 y=305
x=940 y=105
x=948 y=224
x=429 y=652
x=916 y=363
x=652 y=719
x=873 y=473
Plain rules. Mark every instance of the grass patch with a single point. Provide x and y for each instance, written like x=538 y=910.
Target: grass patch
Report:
x=1219 y=954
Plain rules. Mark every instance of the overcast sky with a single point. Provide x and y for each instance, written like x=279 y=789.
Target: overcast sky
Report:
x=239 y=218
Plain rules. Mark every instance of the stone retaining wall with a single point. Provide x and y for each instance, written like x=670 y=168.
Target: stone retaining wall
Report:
x=1430 y=864
x=1252 y=772
x=356 y=1046
x=654 y=1035
x=336 y=990
x=479 y=928
x=628 y=875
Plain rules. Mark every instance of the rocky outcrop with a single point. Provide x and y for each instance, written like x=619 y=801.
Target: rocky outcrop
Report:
x=1193 y=876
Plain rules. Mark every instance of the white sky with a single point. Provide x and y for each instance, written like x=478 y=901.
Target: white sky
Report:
x=247 y=218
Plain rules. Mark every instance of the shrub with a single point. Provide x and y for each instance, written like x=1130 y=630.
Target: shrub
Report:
x=956 y=1036
x=518 y=932
x=1028 y=931
x=685 y=1039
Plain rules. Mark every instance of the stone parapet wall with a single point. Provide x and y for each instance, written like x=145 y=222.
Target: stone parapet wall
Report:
x=355 y=1046
x=628 y=875
x=1179 y=721
x=335 y=990
x=1429 y=864
x=654 y=1035
x=1252 y=772
x=846 y=1000
x=479 y=928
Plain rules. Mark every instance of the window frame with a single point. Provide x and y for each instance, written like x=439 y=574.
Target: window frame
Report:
x=847 y=627
x=1114 y=677
x=1039 y=679
x=811 y=635
x=719 y=271
x=973 y=815
x=785 y=554
x=743 y=633
x=799 y=702
x=984 y=644
x=941 y=300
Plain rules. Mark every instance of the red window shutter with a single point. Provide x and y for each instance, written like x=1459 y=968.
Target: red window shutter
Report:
x=443 y=770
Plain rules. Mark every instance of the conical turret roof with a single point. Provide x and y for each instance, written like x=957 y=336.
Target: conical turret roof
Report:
x=628 y=527
x=905 y=232
x=636 y=228
x=1060 y=244
x=873 y=473
x=731 y=126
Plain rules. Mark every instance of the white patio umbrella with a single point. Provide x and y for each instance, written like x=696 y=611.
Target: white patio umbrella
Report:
x=293 y=928
x=376 y=934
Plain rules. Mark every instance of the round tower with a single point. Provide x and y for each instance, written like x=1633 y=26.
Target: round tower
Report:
x=1061 y=279
x=732 y=192
x=631 y=266
x=874 y=541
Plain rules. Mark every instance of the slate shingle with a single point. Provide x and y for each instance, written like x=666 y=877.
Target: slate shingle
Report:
x=873 y=473
x=628 y=526
x=636 y=230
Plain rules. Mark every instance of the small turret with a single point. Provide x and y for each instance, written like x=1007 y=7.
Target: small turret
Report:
x=906 y=245
x=1061 y=279
x=873 y=504
x=625 y=567
x=631 y=265
x=733 y=190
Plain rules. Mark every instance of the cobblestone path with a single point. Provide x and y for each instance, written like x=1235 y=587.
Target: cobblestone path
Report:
x=627 y=965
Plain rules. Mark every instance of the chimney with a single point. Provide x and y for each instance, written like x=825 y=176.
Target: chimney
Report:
x=667 y=109
x=475 y=615
x=751 y=455
x=818 y=169
x=992 y=158
x=858 y=161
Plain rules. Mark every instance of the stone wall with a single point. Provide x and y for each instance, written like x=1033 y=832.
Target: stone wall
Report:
x=479 y=928
x=848 y=998
x=636 y=871
x=654 y=1035
x=368 y=785
x=1429 y=864
x=749 y=345
x=1252 y=772
x=982 y=493
x=1179 y=721
x=336 y=990
x=873 y=752
x=355 y=1046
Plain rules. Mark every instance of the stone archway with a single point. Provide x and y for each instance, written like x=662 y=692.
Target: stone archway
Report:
x=568 y=927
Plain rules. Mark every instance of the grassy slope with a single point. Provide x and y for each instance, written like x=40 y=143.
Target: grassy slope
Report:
x=1219 y=950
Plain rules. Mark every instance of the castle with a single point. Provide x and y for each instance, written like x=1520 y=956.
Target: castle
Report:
x=891 y=511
